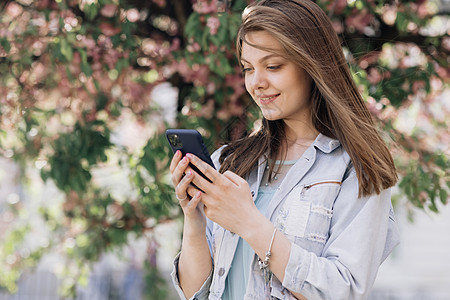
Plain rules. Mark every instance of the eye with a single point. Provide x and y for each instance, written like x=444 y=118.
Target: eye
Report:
x=246 y=70
x=273 y=67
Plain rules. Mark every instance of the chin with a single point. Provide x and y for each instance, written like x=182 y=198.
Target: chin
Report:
x=271 y=117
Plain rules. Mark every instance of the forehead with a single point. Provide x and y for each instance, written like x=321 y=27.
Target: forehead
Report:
x=260 y=44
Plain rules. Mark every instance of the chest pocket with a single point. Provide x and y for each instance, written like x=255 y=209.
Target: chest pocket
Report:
x=306 y=214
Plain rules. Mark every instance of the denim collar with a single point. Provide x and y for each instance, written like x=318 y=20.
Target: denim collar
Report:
x=325 y=144
x=322 y=142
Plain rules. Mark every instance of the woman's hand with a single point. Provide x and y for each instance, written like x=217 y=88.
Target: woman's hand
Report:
x=228 y=200
x=187 y=195
x=195 y=262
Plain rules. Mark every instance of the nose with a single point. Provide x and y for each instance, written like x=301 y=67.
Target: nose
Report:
x=258 y=80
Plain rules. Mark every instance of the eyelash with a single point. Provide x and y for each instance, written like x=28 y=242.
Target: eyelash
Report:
x=271 y=68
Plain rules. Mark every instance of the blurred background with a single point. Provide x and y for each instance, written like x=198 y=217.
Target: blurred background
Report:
x=88 y=87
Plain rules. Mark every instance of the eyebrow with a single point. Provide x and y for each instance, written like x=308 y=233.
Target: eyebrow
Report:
x=262 y=59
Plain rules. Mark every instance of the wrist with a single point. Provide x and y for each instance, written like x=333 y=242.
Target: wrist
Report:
x=193 y=239
x=193 y=229
x=253 y=225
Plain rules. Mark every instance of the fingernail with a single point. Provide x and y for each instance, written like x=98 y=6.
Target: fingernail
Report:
x=178 y=153
x=188 y=174
x=198 y=194
x=189 y=155
x=184 y=160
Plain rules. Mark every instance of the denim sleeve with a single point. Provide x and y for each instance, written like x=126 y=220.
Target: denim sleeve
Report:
x=361 y=235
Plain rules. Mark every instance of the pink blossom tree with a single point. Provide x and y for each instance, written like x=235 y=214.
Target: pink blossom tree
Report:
x=92 y=84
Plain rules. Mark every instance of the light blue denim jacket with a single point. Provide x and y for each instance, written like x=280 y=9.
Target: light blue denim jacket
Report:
x=338 y=240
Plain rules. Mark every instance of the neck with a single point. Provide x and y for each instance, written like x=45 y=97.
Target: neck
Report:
x=299 y=132
x=299 y=136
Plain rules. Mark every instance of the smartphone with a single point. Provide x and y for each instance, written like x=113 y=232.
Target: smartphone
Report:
x=189 y=141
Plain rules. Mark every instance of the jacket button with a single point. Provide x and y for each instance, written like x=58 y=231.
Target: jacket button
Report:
x=253 y=193
x=221 y=271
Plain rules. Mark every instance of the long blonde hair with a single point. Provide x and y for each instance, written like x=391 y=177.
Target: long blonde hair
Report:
x=338 y=110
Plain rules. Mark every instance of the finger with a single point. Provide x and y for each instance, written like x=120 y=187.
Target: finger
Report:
x=192 y=190
x=179 y=171
x=195 y=200
x=205 y=168
x=201 y=183
x=233 y=177
x=175 y=160
x=180 y=200
x=181 y=188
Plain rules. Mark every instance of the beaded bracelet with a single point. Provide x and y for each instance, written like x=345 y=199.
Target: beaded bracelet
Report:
x=264 y=264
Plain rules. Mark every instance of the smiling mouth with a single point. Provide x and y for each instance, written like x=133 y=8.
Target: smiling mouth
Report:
x=267 y=100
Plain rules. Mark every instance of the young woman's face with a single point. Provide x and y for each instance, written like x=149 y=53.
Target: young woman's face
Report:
x=278 y=86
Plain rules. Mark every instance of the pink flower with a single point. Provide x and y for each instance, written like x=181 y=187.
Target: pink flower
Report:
x=369 y=59
x=88 y=43
x=236 y=82
x=109 y=30
x=337 y=6
x=133 y=15
x=210 y=88
x=111 y=56
x=418 y=85
x=446 y=43
x=43 y=4
x=13 y=10
x=373 y=106
x=207 y=110
x=213 y=48
x=195 y=47
x=213 y=23
x=359 y=19
x=160 y=3
x=203 y=7
x=109 y=10
x=338 y=26
x=423 y=196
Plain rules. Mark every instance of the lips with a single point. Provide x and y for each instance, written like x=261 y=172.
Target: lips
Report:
x=266 y=99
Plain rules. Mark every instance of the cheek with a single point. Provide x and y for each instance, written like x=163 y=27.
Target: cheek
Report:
x=247 y=86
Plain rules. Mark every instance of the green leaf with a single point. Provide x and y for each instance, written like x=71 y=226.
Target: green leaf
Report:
x=239 y=5
x=192 y=25
x=101 y=102
x=433 y=207
x=5 y=44
x=234 y=22
x=121 y=64
x=85 y=66
x=204 y=35
x=66 y=50
x=401 y=22
x=223 y=29
x=443 y=195
x=91 y=11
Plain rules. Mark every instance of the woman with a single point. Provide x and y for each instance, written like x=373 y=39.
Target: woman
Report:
x=301 y=208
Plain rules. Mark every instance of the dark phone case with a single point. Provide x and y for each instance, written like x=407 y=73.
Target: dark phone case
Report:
x=192 y=143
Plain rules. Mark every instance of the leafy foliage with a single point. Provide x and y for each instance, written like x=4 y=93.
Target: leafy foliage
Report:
x=74 y=71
